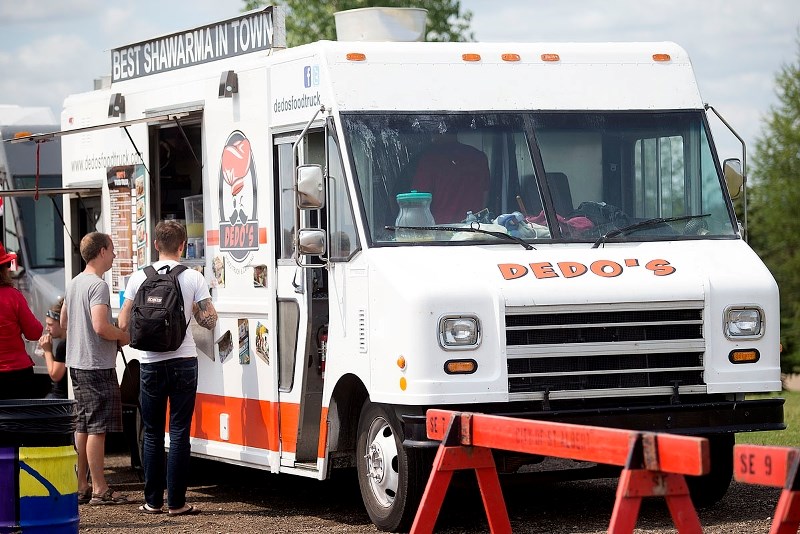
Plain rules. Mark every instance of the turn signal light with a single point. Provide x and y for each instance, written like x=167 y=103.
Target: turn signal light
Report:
x=460 y=367
x=356 y=56
x=744 y=356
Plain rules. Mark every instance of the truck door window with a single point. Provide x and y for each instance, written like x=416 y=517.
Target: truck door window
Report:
x=285 y=165
x=343 y=236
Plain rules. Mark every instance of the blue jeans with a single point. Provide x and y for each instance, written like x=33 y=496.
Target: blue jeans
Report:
x=174 y=380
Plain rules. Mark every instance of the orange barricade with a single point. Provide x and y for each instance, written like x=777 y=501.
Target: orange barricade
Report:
x=776 y=467
x=654 y=464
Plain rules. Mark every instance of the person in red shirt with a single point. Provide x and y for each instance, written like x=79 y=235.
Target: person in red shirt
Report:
x=16 y=320
x=456 y=174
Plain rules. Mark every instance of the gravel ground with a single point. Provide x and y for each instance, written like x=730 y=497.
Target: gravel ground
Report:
x=238 y=500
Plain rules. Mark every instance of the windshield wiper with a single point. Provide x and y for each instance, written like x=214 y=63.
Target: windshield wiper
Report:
x=644 y=224
x=474 y=228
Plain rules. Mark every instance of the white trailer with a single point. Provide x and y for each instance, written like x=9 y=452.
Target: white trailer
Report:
x=623 y=294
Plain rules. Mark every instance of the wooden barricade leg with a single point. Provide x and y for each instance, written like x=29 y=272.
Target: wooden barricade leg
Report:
x=452 y=458
x=787 y=513
x=635 y=482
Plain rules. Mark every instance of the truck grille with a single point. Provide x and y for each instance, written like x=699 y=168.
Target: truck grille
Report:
x=570 y=352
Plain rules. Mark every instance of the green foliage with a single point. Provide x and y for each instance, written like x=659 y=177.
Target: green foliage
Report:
x=781 y=438
x=308 y=20
x=774 y=200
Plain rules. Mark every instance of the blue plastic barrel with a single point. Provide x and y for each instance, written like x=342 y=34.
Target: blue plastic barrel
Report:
x=38 y=466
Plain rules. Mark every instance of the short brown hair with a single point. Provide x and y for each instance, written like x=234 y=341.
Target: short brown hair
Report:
x=92 y=243
x=170 y=235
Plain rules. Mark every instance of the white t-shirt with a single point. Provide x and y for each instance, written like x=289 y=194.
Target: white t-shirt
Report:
x=193 y=288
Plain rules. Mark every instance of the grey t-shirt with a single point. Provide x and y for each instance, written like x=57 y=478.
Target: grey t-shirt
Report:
x=85 y=349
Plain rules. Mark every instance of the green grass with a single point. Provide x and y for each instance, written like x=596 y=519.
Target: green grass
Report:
x=791 y=416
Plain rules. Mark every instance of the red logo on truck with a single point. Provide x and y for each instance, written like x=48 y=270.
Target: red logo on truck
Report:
x=238 y=206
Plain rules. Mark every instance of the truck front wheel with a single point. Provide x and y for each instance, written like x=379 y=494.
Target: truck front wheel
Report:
x=709 y=489
x=391 y=477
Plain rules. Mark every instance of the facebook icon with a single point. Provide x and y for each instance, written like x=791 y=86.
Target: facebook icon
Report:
x=307 y=76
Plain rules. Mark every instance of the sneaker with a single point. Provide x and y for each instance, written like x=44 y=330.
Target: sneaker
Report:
x=108 y=497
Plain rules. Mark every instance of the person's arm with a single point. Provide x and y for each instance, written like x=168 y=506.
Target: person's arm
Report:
x=55 y=369
x=63 y=319
x=30 y=326
x=205 y=314
x=124 y=317
x=105 y=329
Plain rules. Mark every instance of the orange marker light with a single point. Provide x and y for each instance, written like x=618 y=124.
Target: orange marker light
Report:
x=744 y=356
x=550 y=57
x=401 y=362
x=661 y=57
x=471 y=57
x=403 y=383
x=356 y=56
x=460 y=367
x=510 y=57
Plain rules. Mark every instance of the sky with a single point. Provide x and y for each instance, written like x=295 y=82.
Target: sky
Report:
x=52 y=48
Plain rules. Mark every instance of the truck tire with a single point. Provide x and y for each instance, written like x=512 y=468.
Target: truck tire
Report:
x=391 y=478
x=707 y=490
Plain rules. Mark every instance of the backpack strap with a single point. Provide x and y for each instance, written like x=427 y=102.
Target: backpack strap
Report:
x=177 y=270
x=150 y=272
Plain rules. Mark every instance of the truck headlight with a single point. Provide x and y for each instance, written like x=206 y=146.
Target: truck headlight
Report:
x=743 y=322
x=459 y=332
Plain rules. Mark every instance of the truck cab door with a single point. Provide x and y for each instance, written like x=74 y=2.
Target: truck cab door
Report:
x=302 y=309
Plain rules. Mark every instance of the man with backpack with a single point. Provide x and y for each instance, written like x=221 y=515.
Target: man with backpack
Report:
x=159 y=303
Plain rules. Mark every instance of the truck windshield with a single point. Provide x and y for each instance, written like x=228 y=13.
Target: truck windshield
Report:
x=560 y=176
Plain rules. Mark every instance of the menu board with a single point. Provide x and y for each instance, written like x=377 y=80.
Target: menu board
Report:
x=139 y=211
x=120 y=188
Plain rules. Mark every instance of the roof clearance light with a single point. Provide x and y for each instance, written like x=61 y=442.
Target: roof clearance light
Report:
x=471 y=57
x=401 y=362
x=510 y=57
x=19 y=135
x=550 y=57
x=661 y=57
x=356 y=56
x=744 y=356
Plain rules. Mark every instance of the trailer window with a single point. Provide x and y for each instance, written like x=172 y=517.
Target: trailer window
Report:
x=41 y=223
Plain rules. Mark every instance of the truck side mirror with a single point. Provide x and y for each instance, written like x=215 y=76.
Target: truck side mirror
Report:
x=311 y=241
x=310 y=187
x=734 y=179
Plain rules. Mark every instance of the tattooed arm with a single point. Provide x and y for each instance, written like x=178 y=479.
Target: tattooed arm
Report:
x=205 y=314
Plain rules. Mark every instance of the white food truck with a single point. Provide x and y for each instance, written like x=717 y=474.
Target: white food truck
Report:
x=575 y=257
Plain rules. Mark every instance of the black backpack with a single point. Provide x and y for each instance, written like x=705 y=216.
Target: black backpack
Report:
x=158 y=320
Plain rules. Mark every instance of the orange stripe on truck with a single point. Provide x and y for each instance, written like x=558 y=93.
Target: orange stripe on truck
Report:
x=251 y=422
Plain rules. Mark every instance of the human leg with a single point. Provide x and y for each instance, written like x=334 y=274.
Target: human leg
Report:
x=95 y=454
x=83 y=462
x=153 y=401
x=99 y=412
x=182 y=387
